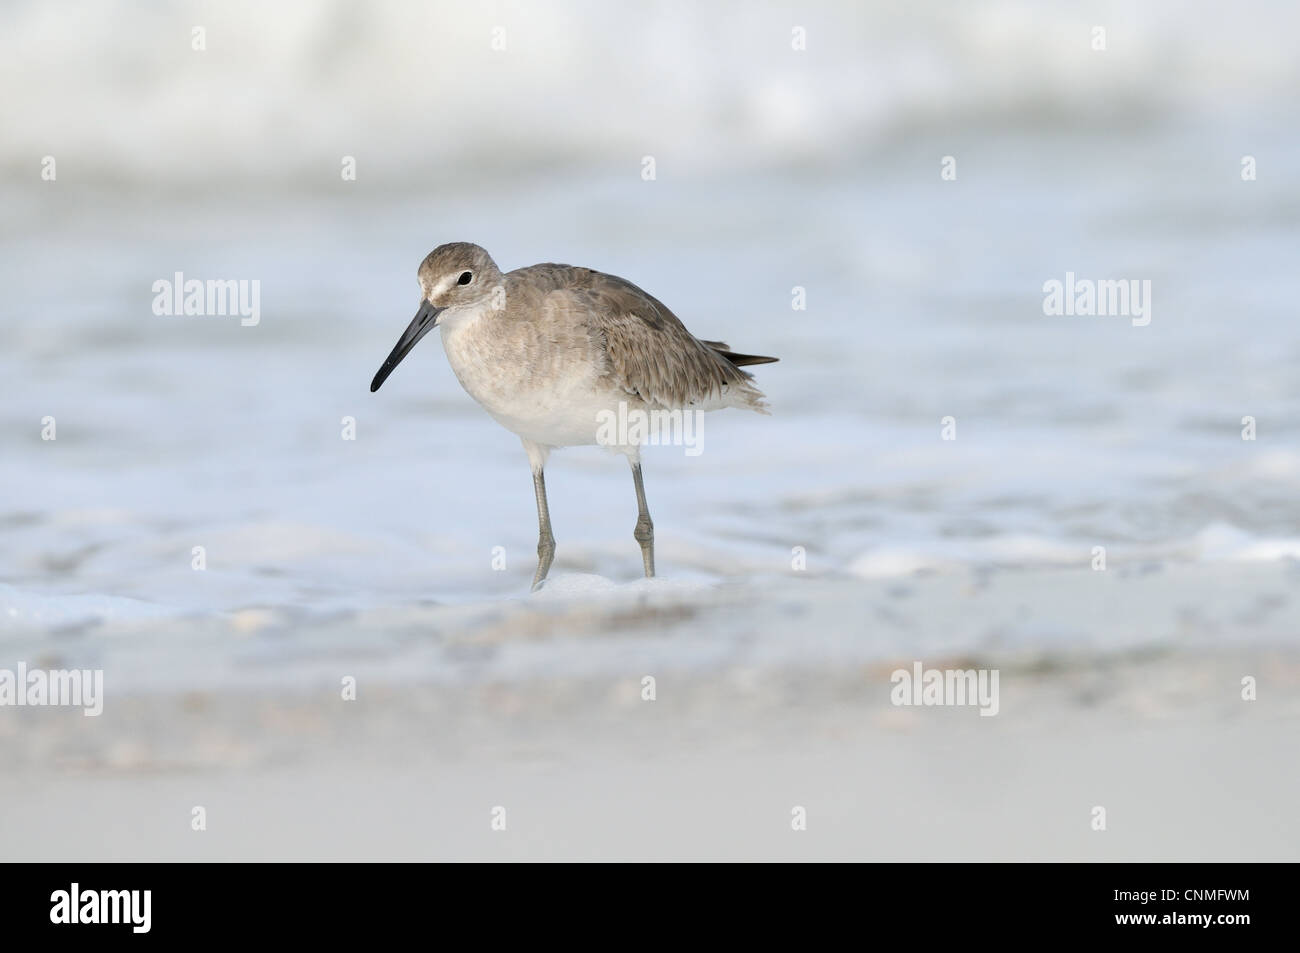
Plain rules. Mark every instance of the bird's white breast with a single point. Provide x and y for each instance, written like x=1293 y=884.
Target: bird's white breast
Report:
x=546 y=386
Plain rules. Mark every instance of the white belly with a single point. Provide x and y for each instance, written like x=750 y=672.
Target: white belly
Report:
x=554 y=421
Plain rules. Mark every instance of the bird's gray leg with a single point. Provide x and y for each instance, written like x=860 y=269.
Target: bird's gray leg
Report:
x=545 y=541
x=645 y=529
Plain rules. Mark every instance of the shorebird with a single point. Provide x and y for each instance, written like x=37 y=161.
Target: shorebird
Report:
x=550 y=350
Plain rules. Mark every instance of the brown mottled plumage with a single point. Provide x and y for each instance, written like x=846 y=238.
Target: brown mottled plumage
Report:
x=649 y=352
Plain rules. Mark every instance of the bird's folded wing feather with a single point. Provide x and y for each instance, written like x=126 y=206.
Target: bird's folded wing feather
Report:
x=649 y=350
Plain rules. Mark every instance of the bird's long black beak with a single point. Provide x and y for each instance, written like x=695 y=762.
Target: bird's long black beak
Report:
x=425 y=320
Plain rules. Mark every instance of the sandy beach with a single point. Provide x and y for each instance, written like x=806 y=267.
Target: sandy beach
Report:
x=1150 y=724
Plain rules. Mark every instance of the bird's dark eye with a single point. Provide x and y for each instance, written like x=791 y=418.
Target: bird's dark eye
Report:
x=465 y=278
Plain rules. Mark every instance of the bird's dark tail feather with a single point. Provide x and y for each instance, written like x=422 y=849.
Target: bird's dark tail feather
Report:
x=739 y=360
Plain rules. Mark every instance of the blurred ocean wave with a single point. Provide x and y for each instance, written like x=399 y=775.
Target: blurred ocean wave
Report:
x=419 y=93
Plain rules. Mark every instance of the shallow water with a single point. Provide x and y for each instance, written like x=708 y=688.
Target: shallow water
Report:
x=924 y=300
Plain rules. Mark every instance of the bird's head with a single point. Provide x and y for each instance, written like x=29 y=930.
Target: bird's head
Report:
x=457 y=277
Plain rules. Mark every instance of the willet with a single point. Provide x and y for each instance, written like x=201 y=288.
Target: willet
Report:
x=550 y=351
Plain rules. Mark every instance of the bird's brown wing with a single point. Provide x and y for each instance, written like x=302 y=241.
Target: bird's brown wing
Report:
x=649 y=350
